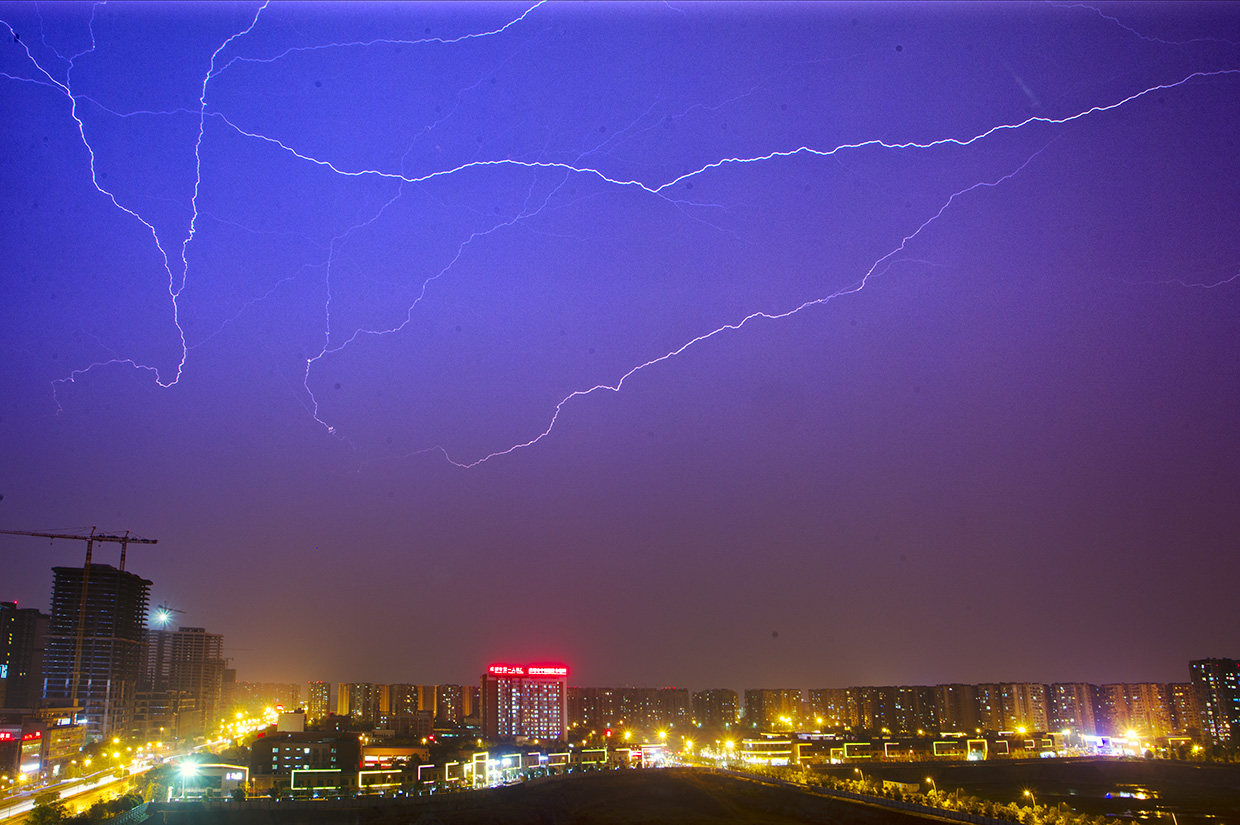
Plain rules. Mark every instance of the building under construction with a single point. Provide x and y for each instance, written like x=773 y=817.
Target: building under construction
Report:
x=109 y=627
x=188 y=662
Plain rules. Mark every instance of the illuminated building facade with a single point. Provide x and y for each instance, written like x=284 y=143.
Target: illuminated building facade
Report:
x=524 y=701
x=591 y=708
x=673 y=707
x=280 y=754
x=956 y=707
x=1140 y=707
x=165 y=714
x=1024 y=706
x=868 y=707
x=771 y=708
x=318 y=700
x=189 y=661
x=112 y=620
x=989 y=706
x=716 y=708
x=401 y=706
x=908 y=709
x=1217 y=683
x=912 y=709
x=362 y=701
x=23 y=635
x=1072 y=707
x=829 y=705
x=448 y=701
x=1185 y=712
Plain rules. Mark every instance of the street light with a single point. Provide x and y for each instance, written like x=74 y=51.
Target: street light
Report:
x=933 y=786
x=1032 y=800
x=187 y=770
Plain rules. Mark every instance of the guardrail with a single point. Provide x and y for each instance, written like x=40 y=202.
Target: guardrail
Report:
x=900 y=805
x=130 y=817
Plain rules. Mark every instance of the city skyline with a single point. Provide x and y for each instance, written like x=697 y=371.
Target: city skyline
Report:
x=837 y=343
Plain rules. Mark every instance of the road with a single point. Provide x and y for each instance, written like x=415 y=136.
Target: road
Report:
x=77 y=794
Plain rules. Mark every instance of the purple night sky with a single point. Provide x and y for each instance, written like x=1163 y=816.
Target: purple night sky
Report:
x=348 y=306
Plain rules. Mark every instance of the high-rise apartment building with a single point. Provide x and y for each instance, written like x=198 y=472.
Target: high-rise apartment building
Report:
x=1071 y=707
x=1185 y=712
x=23 y=636
x=773 y=708
x=1140 y=708
x=716 y=708
x=1217 y=684
x=892 y=709
x=674 y=707
x=638 y=707
x=362 y=701
x=448 y=702
x=828 y=707
x=1023 y=706
x=912 y=710
x=989 y=706
x=867 y=707
x=95 y=644
x=956 y=708
x=591 y=708
x=189 y=661
x=402 y=704
x=318 y=700
x=526 y=701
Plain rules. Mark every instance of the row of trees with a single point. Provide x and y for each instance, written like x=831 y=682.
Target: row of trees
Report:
x=50 y=810
x=955 y=801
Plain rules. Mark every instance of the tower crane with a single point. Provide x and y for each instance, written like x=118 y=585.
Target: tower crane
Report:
x=90 y=540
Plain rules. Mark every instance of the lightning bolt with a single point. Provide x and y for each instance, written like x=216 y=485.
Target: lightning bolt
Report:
x=176 y=280
x=659 y=190
x=1148 y=39
x=881 y=263
x=177 y=276
x=177 y=268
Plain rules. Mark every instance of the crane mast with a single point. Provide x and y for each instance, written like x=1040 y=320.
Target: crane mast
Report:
x=90 y=540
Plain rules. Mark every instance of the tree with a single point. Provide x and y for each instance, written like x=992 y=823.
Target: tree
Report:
x=154 y=783
x=47 y=812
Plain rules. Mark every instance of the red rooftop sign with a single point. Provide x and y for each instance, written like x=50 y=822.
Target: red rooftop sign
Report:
x=527 y=670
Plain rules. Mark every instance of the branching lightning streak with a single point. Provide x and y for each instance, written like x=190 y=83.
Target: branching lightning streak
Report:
x=202 y=121
x=659 y=191
x=328 y=349
x=177 y=281
x=174 y=290
x=73 y=100
x=1138 y=34
x=176 y=285
x=779 y=153
x=948 y=141
x=735 y=326
x=1188 y=284
x=385 y=41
